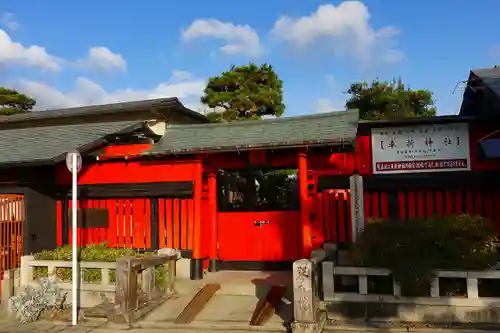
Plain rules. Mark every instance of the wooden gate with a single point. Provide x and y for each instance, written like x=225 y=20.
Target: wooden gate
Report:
x=11 y=231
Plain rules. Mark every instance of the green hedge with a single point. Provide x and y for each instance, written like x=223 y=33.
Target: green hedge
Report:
x=413 y=249
x=89 y=253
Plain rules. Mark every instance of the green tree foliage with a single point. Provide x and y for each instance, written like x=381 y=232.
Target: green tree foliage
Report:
x=389 y=100
x=244 y=92
x=13 y=102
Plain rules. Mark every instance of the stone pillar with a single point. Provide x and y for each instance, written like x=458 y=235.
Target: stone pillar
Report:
x=307 y=315
x=357 y=205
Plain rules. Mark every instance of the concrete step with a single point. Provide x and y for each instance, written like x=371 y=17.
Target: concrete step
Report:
x=170 y=309
x=226 y=311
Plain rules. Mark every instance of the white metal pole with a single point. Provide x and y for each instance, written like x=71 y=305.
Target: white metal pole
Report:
x=74 y=172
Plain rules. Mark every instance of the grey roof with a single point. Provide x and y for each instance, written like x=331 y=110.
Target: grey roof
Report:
x=490 y=78
x=171 y=102
x=50 y=143
x=327 y=128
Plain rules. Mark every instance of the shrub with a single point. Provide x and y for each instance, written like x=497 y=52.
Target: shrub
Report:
x=89 y=253
x=31 y=302
x=413 y=249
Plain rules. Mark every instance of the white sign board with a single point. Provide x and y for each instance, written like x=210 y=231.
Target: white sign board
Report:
x=69 y=161
x=422 y=148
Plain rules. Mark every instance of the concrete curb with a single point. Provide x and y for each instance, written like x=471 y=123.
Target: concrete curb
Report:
x=352 y=329
x=213 y=325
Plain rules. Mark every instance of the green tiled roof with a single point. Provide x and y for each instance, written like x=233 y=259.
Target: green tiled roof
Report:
x=327 y=128
x=48 y=143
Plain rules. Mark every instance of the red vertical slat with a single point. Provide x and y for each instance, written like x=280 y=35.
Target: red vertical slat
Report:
x=334 y=219
x=176 y=223
x=327 y=216
x=420 y=204
x=103 y=231
x=120 y=213
x=128 y=223
x=488 y=207
x=469 y=202
x=4 y=238
x=439 y=203
x=320 y=223
x=7 y=220
x=190 y=210
x=384 y=203
x=349 y=216
x=367 y=205
x=412 y=204
x=96 y=232
x=459 y=202
x=59 y=225
x=429 y=203
x=448 y=199
x=184 y=223
x=478 y=203
x=138 y=223
x=111 y=236
x=376 y=205
x=402 y=205
x=161 y=223
x=168 y=222
x=340 y=201
x=147 y=223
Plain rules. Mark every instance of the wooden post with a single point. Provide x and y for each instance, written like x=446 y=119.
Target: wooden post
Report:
x=212 y=204
x=304 y=207
x=196 y=261
x=126 y=288
x=148 y=282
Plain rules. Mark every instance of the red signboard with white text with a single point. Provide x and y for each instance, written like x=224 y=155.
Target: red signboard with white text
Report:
x=422 y=148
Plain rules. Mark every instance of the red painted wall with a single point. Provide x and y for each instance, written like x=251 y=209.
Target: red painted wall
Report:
x=121 y=150
x=239 y=239
x=110 y=172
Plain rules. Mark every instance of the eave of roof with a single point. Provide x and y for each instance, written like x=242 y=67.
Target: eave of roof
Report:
x=49 y=144
x=171 y=102
x=415 y=121
x=334 y=128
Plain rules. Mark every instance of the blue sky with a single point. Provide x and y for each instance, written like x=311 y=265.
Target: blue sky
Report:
x=69 y=53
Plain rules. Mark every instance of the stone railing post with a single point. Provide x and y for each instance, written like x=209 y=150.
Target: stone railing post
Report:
x=26 y=274
x=170 y=269
x=307 y=315
x=8 y=285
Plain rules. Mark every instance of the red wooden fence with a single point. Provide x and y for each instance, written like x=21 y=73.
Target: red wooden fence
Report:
x=11 y=231
x=332 y=207
x=130 y=223
x=176 y=223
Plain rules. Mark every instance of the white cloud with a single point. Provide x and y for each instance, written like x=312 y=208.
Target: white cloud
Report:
x=9 y=21
x=87 y=92
x=102 y=58
x=27 y=56
x=347 y=26
x=329 y=105
x=239 y=39
x=178 y=75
